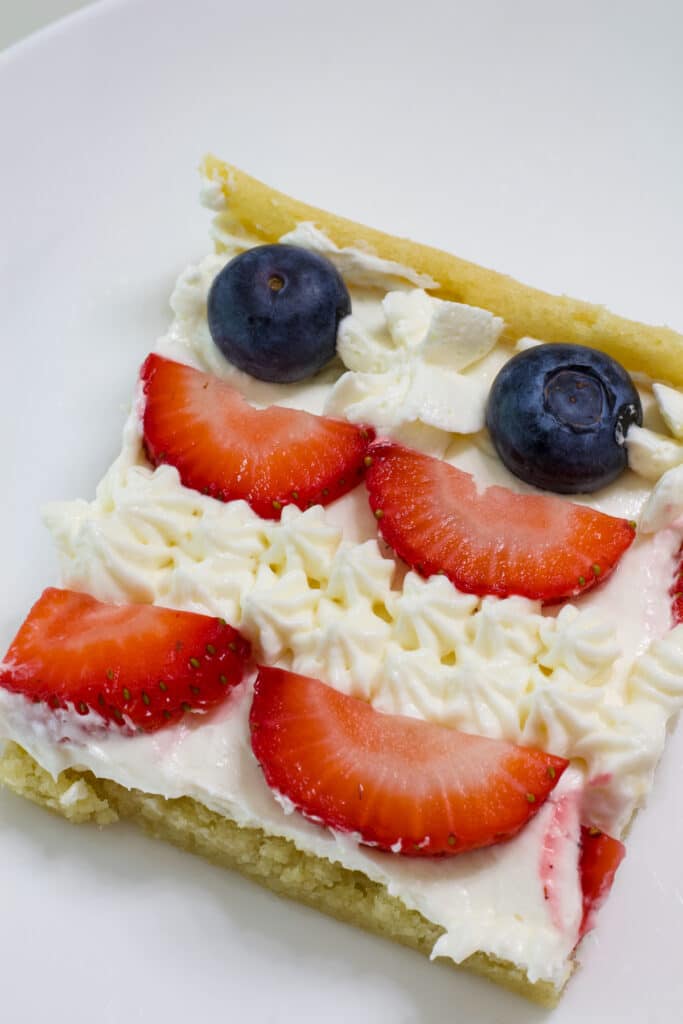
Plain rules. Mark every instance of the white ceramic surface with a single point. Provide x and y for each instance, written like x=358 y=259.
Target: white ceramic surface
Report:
x=19 y=17
x=544 y=141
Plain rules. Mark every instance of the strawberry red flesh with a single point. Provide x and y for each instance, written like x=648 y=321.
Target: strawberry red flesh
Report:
x=224 y=447
x=401 y=784
x=489 y=542
x=130 y=664
x=677 y=591
x=600 y=857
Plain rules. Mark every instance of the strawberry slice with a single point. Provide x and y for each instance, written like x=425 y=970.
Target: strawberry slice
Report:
x=401 y=784
x=677 y=590
x=600 y=857
x=224 y=447
x=493 y=541
x=133 y=665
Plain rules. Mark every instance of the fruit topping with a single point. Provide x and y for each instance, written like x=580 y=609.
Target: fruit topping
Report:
x=558 y=416
x=401 y=784
x=677 y=590
x=224 y=447
x=492 y=541
x=600 y=857
x=274 y=311
x=137 y=666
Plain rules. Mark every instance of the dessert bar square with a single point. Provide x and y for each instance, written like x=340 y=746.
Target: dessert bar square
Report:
x=381 y=602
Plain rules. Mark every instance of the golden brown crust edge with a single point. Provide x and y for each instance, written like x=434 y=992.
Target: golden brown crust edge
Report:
x=269 y=860
x=655 y=351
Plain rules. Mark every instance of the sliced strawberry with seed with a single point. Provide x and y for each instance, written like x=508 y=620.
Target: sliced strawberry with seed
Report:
x=400 y=783
x=131 y=664
x=224 y=447
x=600 y=857
x=493 y=541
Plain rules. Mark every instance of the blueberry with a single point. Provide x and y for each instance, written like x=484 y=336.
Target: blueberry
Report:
x=558 y=416
x=274 y=311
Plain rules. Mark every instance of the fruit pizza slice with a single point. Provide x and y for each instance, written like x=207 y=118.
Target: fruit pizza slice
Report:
x=375 y=604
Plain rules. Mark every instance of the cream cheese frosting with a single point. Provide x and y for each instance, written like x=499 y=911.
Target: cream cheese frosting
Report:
x=321 y=605
x=670 y=402
x=318 y=592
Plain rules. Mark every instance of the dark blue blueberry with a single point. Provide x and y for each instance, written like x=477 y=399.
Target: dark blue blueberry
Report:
x=274 y=311
x=558 y=416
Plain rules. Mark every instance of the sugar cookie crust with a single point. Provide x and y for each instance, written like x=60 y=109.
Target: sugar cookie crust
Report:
x=655 y=351
x=271 y=861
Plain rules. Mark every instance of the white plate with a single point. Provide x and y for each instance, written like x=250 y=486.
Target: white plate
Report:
x=543 y=140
